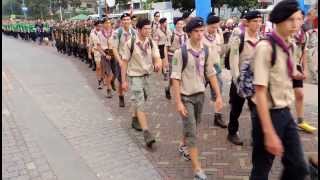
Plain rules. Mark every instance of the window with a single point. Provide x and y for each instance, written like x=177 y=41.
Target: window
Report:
x=89 y=5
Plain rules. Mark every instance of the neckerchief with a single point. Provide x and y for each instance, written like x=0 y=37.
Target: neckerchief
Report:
x=209 y=37
x=106 y=34
x=143 y=49
x=180 y=35
x=286 y=49
x=199 y=63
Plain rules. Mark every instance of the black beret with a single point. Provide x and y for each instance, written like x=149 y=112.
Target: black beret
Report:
x=162 y=20
x=252 y=15
x=142 y=22
x=97 y=22
x=212 y=19
x=155 y=13
x=177 y=19
x=283 y=10
x=194 y=22
x=125 y=15
x=242 y=16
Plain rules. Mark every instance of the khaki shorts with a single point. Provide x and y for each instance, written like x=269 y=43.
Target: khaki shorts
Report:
x=194 y=106
x=97 y=58
x=139 y=87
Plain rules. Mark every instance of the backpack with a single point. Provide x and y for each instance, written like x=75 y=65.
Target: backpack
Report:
x=184 y=53
x=120 y=32
x=245 y=82
x=133 y=40
x=227 y=56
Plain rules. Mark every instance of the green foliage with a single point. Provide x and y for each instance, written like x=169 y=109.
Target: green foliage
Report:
x=184 y=5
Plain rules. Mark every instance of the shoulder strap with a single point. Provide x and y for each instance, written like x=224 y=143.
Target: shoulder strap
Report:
x=133 y=40
x=150 y=42
x=184 y=55
x=172 y=37
x=119 y=34
x=241 y=42
x=206 y=52
x=273 y=54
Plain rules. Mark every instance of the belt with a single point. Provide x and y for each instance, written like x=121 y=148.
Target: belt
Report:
x=145 y=75
x=199 y=93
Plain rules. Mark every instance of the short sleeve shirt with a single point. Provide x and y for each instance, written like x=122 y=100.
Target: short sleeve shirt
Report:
x=141 y=61
x=105 y=39
x=124 y=38
x=177 y=41
x=274 y=77
x=162 y=37
x=192 y=77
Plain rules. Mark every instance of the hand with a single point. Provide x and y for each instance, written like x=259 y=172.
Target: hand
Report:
x=124 y=86
x=108 y=57
x=218 y=104
x=157 y=67
x=182 y=109
x=299 y=76
x=273 y=144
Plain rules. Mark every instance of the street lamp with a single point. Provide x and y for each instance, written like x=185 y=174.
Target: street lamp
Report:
x=24 y=9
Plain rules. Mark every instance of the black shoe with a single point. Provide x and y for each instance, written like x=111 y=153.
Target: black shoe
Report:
x=90 y=64
x=121 y=101
x=94 y=66
x=235 y=139
x=218 y=120
x=113 y=86
x=148 y=138
x=87 y=61
x=100 y=84
x=167 y=91
x=135 y=124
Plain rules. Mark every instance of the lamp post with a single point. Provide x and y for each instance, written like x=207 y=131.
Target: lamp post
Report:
x=24 y=9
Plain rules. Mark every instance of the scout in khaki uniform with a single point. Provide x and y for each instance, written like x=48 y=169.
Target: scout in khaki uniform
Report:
x=137 y=66
x=213 y=40
x=120 y=37
x=155 y=23
x=107 y=57
x=188 y=82
x=274 y=131
x=162 y=37
x=178 y=37
x=300 y=57
x=250 y=38
x=94 y=40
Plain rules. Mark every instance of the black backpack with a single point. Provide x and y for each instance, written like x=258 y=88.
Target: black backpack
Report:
x=227 y=56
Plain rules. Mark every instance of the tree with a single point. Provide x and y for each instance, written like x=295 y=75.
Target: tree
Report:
x=243 y=4
x=185 y=6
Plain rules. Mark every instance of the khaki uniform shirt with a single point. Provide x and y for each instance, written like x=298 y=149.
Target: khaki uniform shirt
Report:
x=162 y=37
x=105 y=40
x=125 y=37
x=275 y=77
x=176 y=44
x=237 y=59
x=211 y=42
x=140 y=63
x=299 y=51
x=192 y=81
x=94 y=40
x=154 y=26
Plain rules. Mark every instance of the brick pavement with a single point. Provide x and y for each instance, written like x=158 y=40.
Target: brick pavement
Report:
x=219 y=158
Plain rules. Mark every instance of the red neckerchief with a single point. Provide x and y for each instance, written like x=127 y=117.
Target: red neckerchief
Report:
x=106 y=34
x=143 y=49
